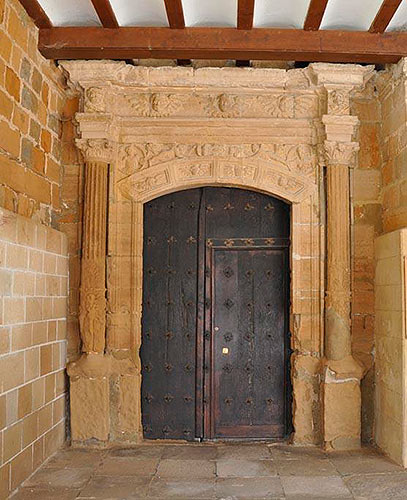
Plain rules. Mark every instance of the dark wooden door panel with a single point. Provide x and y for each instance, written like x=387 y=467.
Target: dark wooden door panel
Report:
x=248 y=348
x=169 y=316
x=215 y=277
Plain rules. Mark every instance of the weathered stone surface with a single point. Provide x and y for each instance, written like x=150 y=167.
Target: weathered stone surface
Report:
x=89 y=409
x=245 y=468
x=342 y=415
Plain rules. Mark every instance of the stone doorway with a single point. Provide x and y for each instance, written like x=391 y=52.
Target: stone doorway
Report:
x=215 y=332
x=264 y=130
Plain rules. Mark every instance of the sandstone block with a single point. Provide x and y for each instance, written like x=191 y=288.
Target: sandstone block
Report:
x=89 y=409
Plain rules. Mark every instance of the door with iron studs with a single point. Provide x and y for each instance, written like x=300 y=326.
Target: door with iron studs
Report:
x=215 y=340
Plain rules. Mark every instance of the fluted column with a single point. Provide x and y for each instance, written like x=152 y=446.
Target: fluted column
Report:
x=92 y=305
x=339 y=158
x=92 y=300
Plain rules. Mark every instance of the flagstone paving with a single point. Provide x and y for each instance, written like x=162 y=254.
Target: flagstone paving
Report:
x=216 y=471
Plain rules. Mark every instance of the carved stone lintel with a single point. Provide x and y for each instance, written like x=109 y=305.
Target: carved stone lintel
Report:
x=96 y=149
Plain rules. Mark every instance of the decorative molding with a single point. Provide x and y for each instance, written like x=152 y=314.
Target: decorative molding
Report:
x=96 y=149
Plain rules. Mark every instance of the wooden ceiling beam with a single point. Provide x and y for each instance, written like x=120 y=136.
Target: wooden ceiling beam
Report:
x=222 y=43
x=315 y=14
x=105 y=13
x=245 y=13
x=384 y=16
x=175 y=14
x=37 y=13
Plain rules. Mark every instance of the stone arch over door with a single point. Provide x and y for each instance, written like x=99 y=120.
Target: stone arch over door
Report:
x=130 y=192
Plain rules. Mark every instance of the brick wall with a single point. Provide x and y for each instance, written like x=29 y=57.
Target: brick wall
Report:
x=366 y=225
x=40 y=168
x=32 y=99
x=33 y=301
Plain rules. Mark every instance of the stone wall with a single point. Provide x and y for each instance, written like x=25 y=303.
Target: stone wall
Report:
x=391 y=345
x=33 y=298
x=366 y=225
x=40 y=174
x=32 y=97
x=392 y=85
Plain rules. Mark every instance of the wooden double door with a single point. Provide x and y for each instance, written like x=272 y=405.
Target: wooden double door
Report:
x=215 y=340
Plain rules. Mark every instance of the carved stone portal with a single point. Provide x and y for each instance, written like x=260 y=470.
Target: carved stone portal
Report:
x=166 y=129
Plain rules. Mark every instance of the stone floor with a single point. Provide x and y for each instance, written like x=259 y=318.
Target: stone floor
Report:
x=216 y=471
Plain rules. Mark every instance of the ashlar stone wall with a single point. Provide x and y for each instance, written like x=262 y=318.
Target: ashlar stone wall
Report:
x=33 y=301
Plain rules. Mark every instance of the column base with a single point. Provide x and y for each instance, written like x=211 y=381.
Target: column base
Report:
x=306 y=377
x=103 y=400
x=342 y=404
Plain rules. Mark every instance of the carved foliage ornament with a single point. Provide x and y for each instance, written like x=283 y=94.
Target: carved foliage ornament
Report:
x=96 y=149
x=340 y=153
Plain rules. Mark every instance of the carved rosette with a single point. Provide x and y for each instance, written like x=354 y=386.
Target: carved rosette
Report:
x=96 y=149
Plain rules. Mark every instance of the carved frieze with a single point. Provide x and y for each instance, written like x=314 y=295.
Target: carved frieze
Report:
x=195 y=104
x=299 y=158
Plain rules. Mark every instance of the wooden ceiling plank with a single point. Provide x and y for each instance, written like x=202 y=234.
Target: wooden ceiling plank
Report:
x=37 y=13
x=245 y=13
x=105 y=13
x=384 y=16
x=175 y=14
x=222 y=43
x=315 y=14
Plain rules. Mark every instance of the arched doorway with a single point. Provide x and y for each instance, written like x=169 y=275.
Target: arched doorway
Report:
x=215 y=339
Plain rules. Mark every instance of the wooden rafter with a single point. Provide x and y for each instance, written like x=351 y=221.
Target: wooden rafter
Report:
x=315 y=14
x=245 y=12
x=105 y=13
x=37 y=13
x=222 y=43
x=384 y=16
x=175 y=14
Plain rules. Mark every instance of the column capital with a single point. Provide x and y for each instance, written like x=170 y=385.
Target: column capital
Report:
x=97 y=149
x=339 y=153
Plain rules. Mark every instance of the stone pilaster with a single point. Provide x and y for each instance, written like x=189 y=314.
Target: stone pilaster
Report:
x=341 y=376
x=89 y=375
